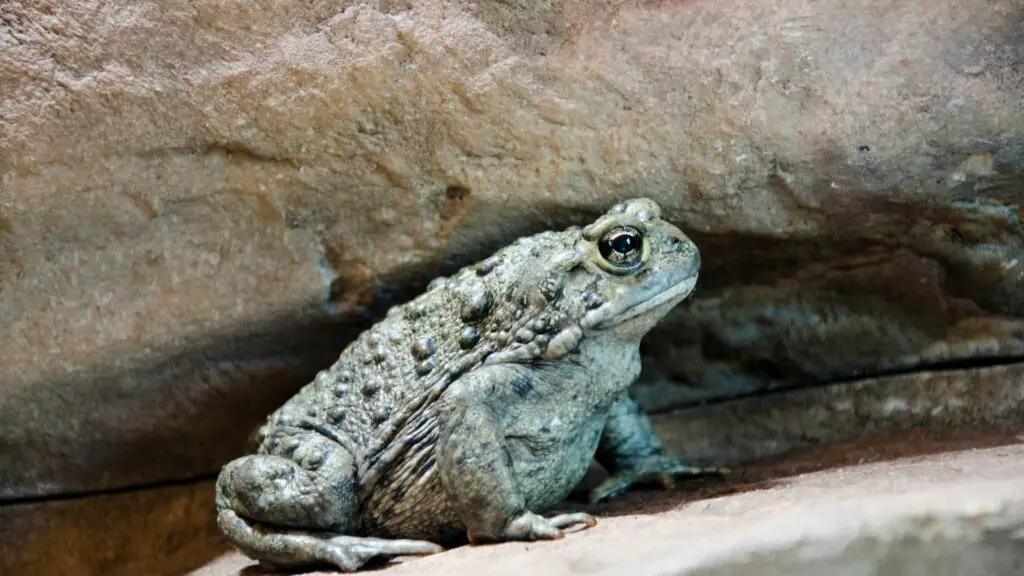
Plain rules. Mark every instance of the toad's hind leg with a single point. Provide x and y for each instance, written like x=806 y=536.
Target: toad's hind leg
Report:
x=294 y=512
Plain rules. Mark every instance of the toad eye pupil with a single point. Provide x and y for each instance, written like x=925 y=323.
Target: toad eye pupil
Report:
x=624 y=243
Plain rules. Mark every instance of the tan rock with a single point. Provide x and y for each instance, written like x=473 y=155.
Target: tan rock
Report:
x=182 y=185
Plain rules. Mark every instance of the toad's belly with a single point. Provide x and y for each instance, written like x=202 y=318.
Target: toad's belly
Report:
x=410 y=502
x=548 y=466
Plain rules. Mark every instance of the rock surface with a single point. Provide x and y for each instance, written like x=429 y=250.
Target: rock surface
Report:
x=763 y=426
x=950 y=514
x=200 y=202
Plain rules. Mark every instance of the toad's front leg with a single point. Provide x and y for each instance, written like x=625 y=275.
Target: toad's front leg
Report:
x=476 y=473
x=630 y=450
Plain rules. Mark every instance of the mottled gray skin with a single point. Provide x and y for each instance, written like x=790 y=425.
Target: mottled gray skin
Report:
x=471 y=409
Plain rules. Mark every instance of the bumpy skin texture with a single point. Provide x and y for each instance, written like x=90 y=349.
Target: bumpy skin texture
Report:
x=471 y=409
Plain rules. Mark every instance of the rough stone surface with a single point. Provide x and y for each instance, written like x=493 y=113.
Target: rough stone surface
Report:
x=949 y=514
x=198 y=201
x=762 y=426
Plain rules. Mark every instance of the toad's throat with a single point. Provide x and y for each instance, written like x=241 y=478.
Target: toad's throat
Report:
x=674 y=284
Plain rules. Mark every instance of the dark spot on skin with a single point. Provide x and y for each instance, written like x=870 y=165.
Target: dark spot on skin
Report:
x=592 y=300
x=423 y=348
x=370 y=388
x=487 y=266
x=521 y=385
x=675 y=244
x=337 y=414
x=414 y=311
x=313 y=461
x=477 y=306
x=551 y=288
x=345 y=376
x=468 y=337
x=864 y=148
x=542 y=341
x=424 y=368
x=544 y=429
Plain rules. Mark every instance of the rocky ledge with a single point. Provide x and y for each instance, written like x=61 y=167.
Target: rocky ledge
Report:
x=951 y=514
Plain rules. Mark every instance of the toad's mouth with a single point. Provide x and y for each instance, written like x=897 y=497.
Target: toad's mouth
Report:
x=675 y=284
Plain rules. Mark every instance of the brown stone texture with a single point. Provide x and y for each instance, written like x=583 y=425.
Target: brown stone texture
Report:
x=202 y=202
x=199 y=202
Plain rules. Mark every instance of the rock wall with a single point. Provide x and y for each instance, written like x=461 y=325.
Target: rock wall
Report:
x=201 y=202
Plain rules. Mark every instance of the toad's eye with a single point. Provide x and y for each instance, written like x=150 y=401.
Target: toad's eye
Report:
x=622 y=249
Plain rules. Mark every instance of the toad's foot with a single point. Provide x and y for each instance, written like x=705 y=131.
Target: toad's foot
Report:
x=530 y=526
x=660 y=469
x=281 y=548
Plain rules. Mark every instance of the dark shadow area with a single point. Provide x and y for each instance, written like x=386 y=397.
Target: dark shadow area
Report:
x=153 y=531
x=180 y=418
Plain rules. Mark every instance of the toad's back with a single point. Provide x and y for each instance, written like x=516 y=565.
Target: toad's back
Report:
x=385 y=384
